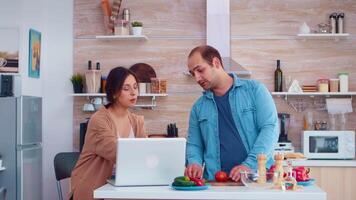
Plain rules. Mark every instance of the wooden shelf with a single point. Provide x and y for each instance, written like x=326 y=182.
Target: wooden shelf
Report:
x=121 y=37
x=335 y=36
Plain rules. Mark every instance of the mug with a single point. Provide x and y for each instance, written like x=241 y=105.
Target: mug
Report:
x=3 y=62
x=142 y=88
x=97 y=102
x=88 y=107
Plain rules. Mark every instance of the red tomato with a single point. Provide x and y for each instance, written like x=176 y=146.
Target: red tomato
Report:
x=198 y=181
x=221 y=176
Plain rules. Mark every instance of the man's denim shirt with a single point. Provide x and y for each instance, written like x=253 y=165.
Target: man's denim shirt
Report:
x=255 y=117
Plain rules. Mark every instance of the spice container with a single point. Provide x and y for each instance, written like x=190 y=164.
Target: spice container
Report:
x=333 y=22
x=162 y=86
x=340 y=22
x=154 y=85
x=334 y=85
x=344 y=82
x=323 y=85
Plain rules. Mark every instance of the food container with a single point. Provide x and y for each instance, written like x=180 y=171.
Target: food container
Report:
x=323 y=85
x=162 y=86
x=154 y=85
x=334 y=85
x=344 y=82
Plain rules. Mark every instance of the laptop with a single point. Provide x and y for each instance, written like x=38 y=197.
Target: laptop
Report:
x=149 y=161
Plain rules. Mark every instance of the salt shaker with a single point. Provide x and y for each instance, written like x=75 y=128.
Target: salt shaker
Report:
x=333 y=22
x=340 y=22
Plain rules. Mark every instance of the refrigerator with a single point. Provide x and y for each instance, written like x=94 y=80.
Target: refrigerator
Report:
x=21 y=147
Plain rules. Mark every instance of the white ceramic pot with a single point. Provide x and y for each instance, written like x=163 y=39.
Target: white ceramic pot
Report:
x=137 y=30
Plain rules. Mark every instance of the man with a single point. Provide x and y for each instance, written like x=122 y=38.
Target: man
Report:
x=231 y=123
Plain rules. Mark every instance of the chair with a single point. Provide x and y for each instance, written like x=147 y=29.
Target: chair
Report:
x=2 y=193
x=64 y=163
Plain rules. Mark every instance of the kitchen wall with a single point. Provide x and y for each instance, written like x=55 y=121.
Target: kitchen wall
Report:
x=54 y=19
x=262 y=32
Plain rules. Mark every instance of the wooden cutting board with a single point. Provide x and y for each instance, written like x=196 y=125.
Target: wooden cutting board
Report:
x=229 y=183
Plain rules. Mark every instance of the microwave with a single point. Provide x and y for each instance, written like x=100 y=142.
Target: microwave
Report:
x=328 y=144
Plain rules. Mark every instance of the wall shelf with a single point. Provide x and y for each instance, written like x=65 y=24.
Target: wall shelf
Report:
x=152 y=95
x=313 y=94
x=335 y=36
x=7 y=73
x=2 y=169
x=121 y=37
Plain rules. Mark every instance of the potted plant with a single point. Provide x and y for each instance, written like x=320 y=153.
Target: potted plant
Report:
x=136 y=28
x=77 y=81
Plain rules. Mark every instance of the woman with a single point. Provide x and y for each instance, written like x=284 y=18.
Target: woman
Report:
x=96 y=162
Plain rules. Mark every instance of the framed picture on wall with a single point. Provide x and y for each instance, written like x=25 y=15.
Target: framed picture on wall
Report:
x=9 y=50
x=34 y=61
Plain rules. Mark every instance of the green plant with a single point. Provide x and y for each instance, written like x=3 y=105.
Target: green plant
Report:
x=136 y=24
x=77 y=79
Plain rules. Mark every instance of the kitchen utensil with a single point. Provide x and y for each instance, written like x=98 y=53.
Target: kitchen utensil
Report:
x=144 y=72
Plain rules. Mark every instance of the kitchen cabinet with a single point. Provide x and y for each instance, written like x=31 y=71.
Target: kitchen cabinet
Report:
x=337 y=182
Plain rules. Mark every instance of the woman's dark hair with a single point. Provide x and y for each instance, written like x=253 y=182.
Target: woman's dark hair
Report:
x=115 y=82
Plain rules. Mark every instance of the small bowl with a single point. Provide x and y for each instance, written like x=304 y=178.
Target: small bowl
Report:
x=249 y=179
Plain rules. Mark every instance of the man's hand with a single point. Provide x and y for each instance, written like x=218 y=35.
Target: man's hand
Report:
x=235 y=172
x=194 y=171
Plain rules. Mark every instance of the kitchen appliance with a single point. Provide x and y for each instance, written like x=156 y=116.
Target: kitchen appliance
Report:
x=328 y=144
x=10 y=85
x=283 y=145
x=20 y=147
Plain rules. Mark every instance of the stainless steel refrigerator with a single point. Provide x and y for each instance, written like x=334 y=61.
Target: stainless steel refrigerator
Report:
x=21 y=147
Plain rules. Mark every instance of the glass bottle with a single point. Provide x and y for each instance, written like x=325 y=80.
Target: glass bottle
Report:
x=278 y=78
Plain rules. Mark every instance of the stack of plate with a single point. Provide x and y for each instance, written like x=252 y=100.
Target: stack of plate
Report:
x=309 y=88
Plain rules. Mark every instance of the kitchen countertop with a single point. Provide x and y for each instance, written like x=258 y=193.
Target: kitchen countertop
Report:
x=214 y=192
x=324 y=163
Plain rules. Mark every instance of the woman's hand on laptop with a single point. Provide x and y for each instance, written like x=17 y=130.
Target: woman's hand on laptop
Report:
x=194 y=170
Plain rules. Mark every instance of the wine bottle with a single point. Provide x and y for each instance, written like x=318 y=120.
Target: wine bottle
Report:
x=278 y=78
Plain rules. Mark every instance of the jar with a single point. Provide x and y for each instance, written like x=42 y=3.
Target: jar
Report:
x=163 y=86
x=323 y=85
x=154 y=85
x=334 y=85
x=344 y=82
x=122 y=28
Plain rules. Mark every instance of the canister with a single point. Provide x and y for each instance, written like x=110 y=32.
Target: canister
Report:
x=323 y=85
x=334 y=85
x=344 y=81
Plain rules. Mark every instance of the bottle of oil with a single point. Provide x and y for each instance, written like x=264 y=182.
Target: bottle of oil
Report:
x=278 y=78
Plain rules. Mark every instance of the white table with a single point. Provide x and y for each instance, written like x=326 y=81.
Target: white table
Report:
x=214 y=192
